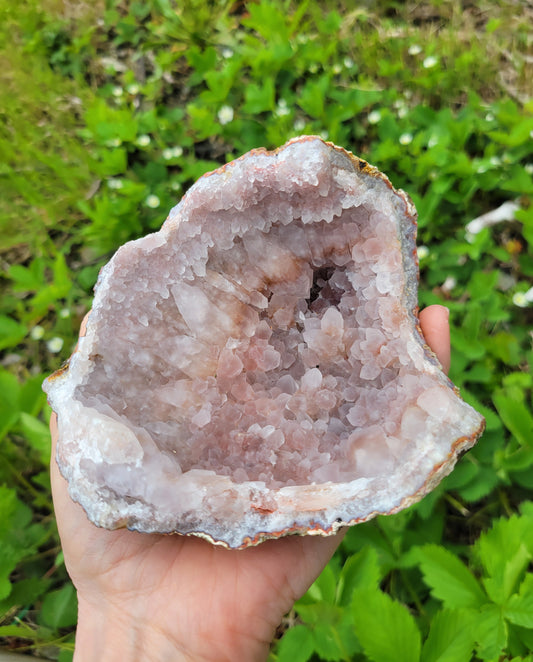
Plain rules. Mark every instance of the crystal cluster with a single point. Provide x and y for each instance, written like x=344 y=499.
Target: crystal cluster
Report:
x=255 y=368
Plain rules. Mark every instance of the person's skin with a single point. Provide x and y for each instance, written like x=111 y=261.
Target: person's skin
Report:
x=159 y=598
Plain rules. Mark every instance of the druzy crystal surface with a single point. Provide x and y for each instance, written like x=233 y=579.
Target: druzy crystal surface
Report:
x=255 y=368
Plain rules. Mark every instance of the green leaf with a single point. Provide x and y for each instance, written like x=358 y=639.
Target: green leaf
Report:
x=505 y=576
x=259 y=98
x=450 y=638
x=325 y=586
x=515 y=416
x=296 y=645
x=385 y=628
x=60 y=608
x=449 y=579
x=360 y=571
x=519 y=608
x=11 y=332
x=491 y=632
x=38 y=434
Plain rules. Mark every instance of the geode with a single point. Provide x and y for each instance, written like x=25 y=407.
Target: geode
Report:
x=256 y=367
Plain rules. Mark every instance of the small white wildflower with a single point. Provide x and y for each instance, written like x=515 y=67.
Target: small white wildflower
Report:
x=114 y=142
x=167 y=154
x=374 y=117
x=433 y=141
x=133 y=88
x=282 y=108
x=337 y=68
x=448 y=284
x=55 y=345
x=64 y=313
x=529 y=168
x=495 y=161
x=348 y=62
x=430 y=62
x=37 y=332
x=529 y=295
x=225 y=115
x=481 y=169
x=175 y=186
x=177 y=152
x=115 y=184
x=299 y=124
x=117 y=91
x=520 y=300
x=143 y=140
x=227 y=53
x=402 y=111
x=408 y=94
x=152 y=201
x=415 y=49
x=489 y=117
x=422 y=252
x=406 y=138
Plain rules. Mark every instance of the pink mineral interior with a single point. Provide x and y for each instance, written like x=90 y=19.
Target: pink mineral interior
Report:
x=255 y=367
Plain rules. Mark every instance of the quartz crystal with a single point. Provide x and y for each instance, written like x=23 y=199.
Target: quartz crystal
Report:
x=256 y=367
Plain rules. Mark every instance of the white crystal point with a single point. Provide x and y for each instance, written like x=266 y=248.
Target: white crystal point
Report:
x=256 y=368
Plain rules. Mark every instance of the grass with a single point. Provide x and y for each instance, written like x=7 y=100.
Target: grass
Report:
x=112 y=109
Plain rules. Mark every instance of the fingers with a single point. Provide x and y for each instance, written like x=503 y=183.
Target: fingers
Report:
x=434 y=322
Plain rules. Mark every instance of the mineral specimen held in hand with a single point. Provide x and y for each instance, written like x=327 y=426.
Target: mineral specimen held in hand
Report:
x=255 y=368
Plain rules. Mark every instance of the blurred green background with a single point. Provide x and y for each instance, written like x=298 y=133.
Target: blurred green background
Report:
x=110 y=110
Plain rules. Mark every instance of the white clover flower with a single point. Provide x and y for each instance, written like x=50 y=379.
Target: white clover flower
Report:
x=143 y=141
x=37 y=332
x=299 y=124
x=152 y=201
x=430 y=62
x=348 y=62
x=374 y=117
x=55 y=345
x=433 y=141
x=227 y=53
x=117 y=91
x=115 y=184
x=489 y=117
x=177 y=152
x=337 y=68
x=402 y=111
x=406 y=138
x=415 y=49
x=175 y=186
x=114 y=142
x=133 y=88
x=520 y=300
x=64 y=313
x=225 y=115
x=168 y=154
x=448 y=284
x=422 y=252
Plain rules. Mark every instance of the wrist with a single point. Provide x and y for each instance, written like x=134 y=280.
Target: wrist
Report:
x=106 y=633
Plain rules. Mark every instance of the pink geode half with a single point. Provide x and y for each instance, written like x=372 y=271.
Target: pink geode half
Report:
x=256 y=368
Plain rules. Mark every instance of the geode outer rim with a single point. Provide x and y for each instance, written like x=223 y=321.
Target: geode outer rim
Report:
x=405 y=222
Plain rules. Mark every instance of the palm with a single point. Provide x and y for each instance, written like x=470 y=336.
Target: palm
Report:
x=216 y=603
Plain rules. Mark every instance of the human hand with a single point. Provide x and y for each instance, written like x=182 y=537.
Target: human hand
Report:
x=173 y=598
